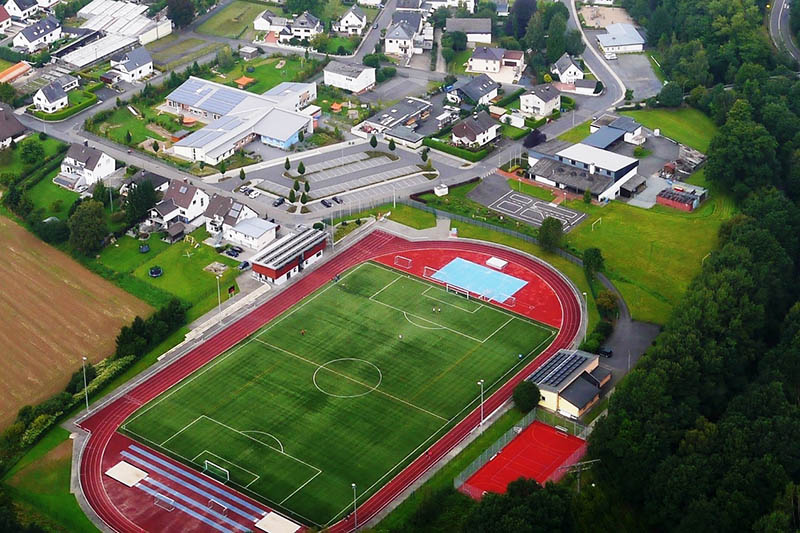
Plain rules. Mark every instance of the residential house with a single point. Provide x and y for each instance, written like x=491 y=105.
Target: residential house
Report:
x=50 y=98
x=567 y=69
x=352 y=22
x=476 y=130
x=38 y=35
x=183 y=202
x=477 y=30
x=304 y=26
x=502 y=8
x=409 y=111
x=133 y=65
x=269 y=22
x=83 y=167
x=503 y=66
x=160 y=183
x=607 y=129
x=433 y=5
x=254 y=233
x=5 y=19
x=46 y=4
x=11 y=129
x=621 y=38
x=236 y=117
x=349 y=76
x=478 y=90
x=67 y=82
x=414 y=19
x=541 y=101
x=223 y=212
x=22 y=9
x=399 y=40
x=370 y=3
x=409 y=5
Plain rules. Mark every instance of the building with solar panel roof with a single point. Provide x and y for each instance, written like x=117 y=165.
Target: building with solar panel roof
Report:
x=570 y=382
x=235 y=118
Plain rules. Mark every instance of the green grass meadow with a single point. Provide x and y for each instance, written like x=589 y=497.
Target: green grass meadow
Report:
x=532 y=190
x=686 y=125
x=233 y=21
x=264 y=72
x=576 y=134
x=346 y=387
x=11 y=159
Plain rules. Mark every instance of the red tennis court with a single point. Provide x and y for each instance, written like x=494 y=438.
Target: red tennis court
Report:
x=536 y=453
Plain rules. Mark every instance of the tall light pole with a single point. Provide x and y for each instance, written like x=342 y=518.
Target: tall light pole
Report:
x=219 y=301
x=481 y=385
x=85 y=390
x=586 y=303
x=355 y=509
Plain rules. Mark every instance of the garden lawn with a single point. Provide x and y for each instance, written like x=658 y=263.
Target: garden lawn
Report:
x=651 y=255
x=77 y=97
x=458 y=64
x=11 y=160
x=173 y=51
x=264 y=72
x=576 y=134
x=5 y=64
x=184 y=276
x=512 y=132
x=532 y=190
x=686 y=125
x=335 y=42
x=124 y=255
x=232 y=21
x=122 y=121
x=54 y=200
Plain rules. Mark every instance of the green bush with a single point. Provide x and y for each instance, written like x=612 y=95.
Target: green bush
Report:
x=455 y=150
x=36 y=428
x=507 y=99
x=533 y=124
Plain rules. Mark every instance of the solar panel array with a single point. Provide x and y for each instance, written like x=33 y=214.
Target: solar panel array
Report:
x=199 y=94
x=557 y=368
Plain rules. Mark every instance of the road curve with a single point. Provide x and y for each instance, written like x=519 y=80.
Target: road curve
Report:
x=103 y=423
x=779 y=29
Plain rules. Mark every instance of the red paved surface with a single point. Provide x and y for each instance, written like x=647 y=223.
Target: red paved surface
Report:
x=103 y=423
x=535 y=300
x=535 y=453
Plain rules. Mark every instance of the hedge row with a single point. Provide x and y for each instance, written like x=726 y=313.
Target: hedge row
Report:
x=516 y=135
x=533 y=124
x=455 y=150
x=68 y=111
x=507 y=99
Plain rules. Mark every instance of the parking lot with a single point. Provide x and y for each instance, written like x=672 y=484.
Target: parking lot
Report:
x=355 y=201
x=494 y=193
x=633 y=69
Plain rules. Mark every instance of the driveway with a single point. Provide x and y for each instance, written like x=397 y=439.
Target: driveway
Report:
x=633 y=69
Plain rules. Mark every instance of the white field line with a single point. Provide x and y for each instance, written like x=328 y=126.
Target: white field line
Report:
x=429 y=321
x=419 y=325
x=181 y=430
x=267 y=434
x=386 y=286
x=425 y=294
x=256 y=477
x=220 y=359
x=498 y=329
x=345 y=376
x=300 y=487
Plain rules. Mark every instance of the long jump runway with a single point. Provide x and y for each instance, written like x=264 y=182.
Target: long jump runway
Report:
x=534 y=211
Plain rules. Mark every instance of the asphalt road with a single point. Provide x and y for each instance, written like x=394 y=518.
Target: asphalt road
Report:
x=779 y=28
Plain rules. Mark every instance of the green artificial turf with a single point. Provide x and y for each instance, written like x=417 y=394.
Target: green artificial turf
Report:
x=344 y=388
x=685 y=125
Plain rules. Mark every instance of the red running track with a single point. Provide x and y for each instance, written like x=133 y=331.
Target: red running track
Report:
x=103 y=423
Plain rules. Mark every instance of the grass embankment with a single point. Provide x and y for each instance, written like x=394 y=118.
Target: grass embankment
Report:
x=686 y=125
x=651 y=255
x=233 y=21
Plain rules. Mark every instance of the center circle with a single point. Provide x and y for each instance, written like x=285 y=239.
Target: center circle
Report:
x=347 y=369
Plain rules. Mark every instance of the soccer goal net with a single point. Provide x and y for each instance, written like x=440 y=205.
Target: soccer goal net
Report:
x=402 y=262
x=429 y=272
x=457 y=290
x=219 y=507
x=164 y=502
x=216 y=471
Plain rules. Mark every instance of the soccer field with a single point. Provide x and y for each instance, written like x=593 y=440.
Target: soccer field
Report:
x=346 y=387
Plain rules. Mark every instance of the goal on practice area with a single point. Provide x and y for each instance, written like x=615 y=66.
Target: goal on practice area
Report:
x=164 y=502
x=402 y=262
x=457 y=290
x=216 y=471
x=429 y=272
x=217 y=506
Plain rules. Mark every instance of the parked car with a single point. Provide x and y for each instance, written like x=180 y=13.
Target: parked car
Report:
x=610 y=55
x=375 y=26
x=244 y=265
x=605 y=351
x=254 y=194
x=337 y=200
x=230 y=252
x=237 y=249
x=278 y=201
x=326 y=203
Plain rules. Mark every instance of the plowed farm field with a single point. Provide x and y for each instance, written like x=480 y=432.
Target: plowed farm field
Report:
x=53 y=311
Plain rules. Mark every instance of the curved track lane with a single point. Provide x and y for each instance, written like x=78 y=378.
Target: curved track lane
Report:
x=103 y=423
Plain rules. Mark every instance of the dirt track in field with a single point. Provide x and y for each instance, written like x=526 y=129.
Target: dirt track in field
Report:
x=53 y=311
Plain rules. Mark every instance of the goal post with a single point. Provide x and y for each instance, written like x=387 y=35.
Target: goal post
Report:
x=402 y=262
x=598 y=221
x=457 y=290
x=216 y=471
x=429 y=272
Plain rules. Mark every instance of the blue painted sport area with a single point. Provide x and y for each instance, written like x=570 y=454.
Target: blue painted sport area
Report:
x=479 y=279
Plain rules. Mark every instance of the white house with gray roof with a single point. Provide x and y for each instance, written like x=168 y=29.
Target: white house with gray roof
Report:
x=183 y=202
x=352 y=22
x=349 y=76
x=399 y=40
x=235 y=118
x=133 y=65
x=50 y=98
x=83 y=167
x=477 y=30
x=567 y=69
x=254 y=233
x=540 y=101
x=22 y=9
x=38 y=35
x=223 y=212
x=621 y=38
x=480 y=90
